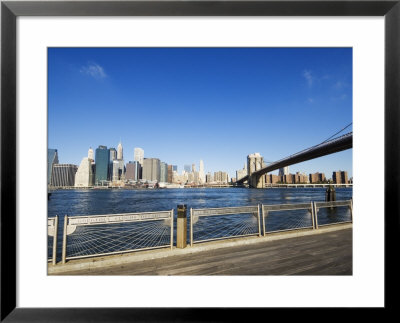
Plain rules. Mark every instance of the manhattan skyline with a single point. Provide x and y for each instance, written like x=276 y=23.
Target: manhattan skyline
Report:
x=183 y=105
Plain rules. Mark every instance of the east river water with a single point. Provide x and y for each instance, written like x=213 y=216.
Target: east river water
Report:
x=117 y=201
x=111 y=201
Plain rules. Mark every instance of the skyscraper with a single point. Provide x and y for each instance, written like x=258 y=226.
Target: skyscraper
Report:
x=133 y=171
x=90 y=153
x=63 y=175
x=202 y=176
x=84 y=176
x=163 y=172
x=138 y=155
x=120 y=154
x=113 y=154
x=52 y=158
x=284 y=171
x=102 y=164
x=151 y=169
x=186 y=168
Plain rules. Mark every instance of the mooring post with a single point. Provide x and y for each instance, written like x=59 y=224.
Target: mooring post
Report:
x=181 y=227
x=330 y=194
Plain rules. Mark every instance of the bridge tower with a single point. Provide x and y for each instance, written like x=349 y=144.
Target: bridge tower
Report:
x=254 y=163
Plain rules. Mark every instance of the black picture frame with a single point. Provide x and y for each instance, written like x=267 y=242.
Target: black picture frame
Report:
x=10 y=10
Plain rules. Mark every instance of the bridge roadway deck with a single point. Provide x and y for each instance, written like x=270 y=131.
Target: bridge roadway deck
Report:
x=327 y=252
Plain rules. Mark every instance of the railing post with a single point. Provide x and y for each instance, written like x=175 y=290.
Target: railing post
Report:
x=263 y=218
x=172 y=228
x=312 y=215
x=191 y=227
x=315 y=215
x=54 y=260
x=259 y=224
x=181 y=227
x=351 y=210
x=64 y=245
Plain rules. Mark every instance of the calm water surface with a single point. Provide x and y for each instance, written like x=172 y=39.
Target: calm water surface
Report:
x=96 y=202
x=113 y=201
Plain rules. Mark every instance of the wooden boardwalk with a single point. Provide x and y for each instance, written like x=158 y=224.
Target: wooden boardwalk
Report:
x=328 y=253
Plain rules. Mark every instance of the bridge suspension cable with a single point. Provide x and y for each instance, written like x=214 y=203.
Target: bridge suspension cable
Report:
x=337 y=132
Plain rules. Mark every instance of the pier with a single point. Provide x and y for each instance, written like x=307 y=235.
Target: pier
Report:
x=327 y=251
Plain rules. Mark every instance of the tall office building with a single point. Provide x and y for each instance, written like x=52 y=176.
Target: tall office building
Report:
x=186 y=168
x=84 y=177
x=284 y=171
x=118 y=170
x=63 y=175
x=120 y=153
x=52 y=158
x=202 y=175
x=163 y=172
x=133 y=171
x=138 y=155
x=193 y=168
x=151 y=169
x=174 y=168
x=113 y=156
x=170 y=173
x=102 y=164
x=90 y=153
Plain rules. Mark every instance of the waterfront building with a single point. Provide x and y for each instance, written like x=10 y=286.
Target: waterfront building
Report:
x=283 y=171
x=186 y=168
x=254 y=162
x=221 y=177
x=84 y=177
x=133 y=171
x=193 y=168
x=300 y=178
x=113 y=156
x=241 y=172
x=288 y=179
x=138 y=155
x=170 y=173
x=102 y=164
x=190 y=177
x=317 y=178
x=272 y=179
x=163 y=172
x=52 y=159
x=63 y=175
x=196 y=177
x=340 y=177
x=118 y=170
x=209 y=178
x=202 y=176
x=151 y=169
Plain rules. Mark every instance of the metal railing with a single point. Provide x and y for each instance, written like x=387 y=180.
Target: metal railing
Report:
x=294 y=219
x=333 y=215
x=289 y=220
x=52 y=225
x=233 y=222
x=98 y=235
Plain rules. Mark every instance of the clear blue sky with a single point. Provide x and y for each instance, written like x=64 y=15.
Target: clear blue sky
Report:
x=186 y=104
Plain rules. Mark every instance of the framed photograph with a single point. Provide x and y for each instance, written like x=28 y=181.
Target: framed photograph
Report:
x=141 y=115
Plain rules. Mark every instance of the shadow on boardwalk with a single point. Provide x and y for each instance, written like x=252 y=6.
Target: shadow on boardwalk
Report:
x=325 y=253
